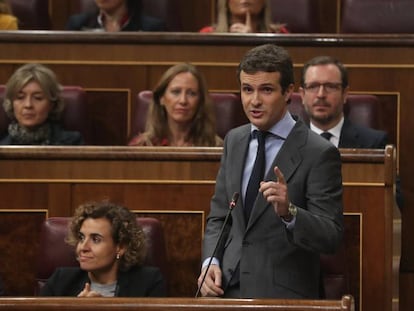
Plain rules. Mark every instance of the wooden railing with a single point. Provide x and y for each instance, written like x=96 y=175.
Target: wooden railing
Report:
x=173 y=304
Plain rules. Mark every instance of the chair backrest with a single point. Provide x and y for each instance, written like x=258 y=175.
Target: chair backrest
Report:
x=335 y=275
x=227 y=108
x=165 y=10
x=377 y=16
x=74 y=116
x=31 y=14
x=300 y=16
x=54 y=252
x=229 y=112
x=361 y=109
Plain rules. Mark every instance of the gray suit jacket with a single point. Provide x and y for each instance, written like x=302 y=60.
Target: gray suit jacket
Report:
x=275 y=262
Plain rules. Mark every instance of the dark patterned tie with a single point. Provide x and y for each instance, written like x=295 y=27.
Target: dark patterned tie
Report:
x=257 y=174
x=326 y=135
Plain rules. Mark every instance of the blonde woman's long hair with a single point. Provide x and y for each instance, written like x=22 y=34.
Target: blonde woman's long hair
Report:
x=202 y=128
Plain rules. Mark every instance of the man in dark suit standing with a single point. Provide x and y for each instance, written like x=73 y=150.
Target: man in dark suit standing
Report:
x=271 y=247
x=324 y=90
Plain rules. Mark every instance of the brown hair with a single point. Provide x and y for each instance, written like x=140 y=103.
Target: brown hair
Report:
x=268 y=58
x=125 y=229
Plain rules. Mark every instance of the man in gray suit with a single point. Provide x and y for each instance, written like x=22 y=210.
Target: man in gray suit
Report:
x=273 y=251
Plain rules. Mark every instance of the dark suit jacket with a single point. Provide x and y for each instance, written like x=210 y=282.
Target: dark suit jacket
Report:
x=89 y=21
x=136 y=282
x=356 y=136
x=275 y=262
x=58 y=137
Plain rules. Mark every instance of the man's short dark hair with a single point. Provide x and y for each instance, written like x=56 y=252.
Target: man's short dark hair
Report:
x=325 y=60
x=268 y=58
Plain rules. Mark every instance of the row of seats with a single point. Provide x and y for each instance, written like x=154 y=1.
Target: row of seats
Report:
x=301 y=16
x=361 y=109
x=54 y=252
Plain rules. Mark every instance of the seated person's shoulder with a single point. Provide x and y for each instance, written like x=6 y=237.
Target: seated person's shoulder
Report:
x=146 y=281
x=64 y=137
x=140 y=140
x=150 y=23
x=82 y=21
x=207 y=29
x=371 y=138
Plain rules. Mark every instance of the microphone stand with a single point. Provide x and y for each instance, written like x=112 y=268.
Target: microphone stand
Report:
x=231 y=206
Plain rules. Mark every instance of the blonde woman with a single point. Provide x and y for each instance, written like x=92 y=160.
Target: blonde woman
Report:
x=180 y=113
x=34 y=105
x=244 y=16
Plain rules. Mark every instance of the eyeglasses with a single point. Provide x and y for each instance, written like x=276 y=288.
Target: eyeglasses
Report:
x=328 y=87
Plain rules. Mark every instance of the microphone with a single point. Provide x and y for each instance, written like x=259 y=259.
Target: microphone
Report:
x=231 y=206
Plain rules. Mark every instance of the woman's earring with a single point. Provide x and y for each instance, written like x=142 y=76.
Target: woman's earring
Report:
x=118 y=256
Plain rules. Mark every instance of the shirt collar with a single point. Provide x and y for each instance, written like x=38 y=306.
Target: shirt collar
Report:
x=122 y=23
x=282 y=128
x=335 y=131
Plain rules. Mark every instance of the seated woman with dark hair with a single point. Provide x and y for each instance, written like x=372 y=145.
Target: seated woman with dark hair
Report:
x=240 y=16
x=33 y=103
x=113 y=16
x=111 y=249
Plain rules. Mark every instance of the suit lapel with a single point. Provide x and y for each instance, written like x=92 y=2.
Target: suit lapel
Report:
x=239 y=147
x=288 y=159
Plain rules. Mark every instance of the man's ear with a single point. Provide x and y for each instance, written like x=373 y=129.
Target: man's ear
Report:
x=288 y=92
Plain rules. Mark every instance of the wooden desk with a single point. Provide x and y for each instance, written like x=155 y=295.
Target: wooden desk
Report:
x=173 y=304
x=175 y=185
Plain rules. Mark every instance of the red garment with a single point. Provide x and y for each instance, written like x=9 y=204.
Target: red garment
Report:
x=210 y=29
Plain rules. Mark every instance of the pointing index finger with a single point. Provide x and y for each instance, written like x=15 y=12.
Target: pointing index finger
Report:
x=279 y=175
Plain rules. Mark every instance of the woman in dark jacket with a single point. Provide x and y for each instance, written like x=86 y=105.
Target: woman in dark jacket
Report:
x=34 y=106
x=111 y=248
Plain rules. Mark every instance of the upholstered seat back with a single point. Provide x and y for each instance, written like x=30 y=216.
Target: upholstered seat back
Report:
x=54 y=252
x=31 y=14
x=335 y=274
x=74 y=116
x=228 y=111
x=377 y=16
x=300 y=16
